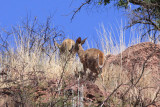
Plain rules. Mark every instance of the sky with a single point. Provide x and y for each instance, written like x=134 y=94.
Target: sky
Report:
x=85 y=23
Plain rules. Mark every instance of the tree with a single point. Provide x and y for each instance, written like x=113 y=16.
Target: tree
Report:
x=146 y=13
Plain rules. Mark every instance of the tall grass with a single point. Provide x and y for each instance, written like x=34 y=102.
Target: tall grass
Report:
x=21 y=61
x=113 y=75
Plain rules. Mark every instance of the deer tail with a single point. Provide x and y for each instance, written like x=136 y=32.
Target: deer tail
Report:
x=101 y=60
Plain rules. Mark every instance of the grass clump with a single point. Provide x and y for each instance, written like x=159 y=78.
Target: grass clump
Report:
x=34 y=68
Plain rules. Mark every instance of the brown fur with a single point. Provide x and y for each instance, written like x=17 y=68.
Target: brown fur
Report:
x=101 y=58
x=78 y=40
x=91 y=58
x=65 y=47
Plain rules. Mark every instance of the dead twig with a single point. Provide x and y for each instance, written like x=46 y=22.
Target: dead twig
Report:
x=77 y=10
x=111 y=94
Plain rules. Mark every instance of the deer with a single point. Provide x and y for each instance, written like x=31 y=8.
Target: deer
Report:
x=65 y=49
x=92 y=59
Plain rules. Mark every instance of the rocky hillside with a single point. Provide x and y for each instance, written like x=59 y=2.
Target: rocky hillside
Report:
x=131 y=78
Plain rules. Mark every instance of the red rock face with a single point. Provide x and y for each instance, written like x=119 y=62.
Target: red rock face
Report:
x=143 y=57
x=133 y=60
x=88 y=90
x=135 y=56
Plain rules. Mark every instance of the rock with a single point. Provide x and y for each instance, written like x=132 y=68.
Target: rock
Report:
x=89 y=92
x=140 y=59
x=134 y=57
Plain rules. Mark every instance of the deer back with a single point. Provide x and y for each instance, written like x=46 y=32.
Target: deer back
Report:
x=94 y=57
x=66 y=46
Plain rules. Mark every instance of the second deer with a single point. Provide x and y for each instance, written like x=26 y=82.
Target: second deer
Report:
x=65 y=49
x=91 y=58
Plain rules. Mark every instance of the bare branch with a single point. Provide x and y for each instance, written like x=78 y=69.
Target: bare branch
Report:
x=111 y=94
x=77 y=10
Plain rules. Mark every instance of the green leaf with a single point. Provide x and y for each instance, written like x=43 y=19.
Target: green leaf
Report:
x=106 y=2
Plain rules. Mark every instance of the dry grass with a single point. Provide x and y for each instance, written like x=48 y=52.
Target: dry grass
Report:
x=113 y=75
x=20 y=62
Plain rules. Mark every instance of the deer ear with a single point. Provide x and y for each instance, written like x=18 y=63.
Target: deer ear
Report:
x=71 y=50
x=83 y=41
x=78 y=40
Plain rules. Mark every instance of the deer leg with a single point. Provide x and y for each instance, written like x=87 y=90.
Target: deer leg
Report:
x=90 y=76
x=85 y=69
x=100 y=70
x=96 y=74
